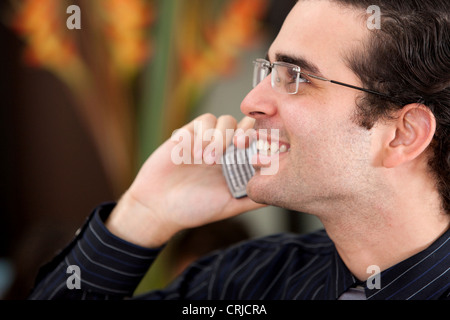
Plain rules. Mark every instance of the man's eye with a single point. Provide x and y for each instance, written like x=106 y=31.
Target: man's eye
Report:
x=303 y=79
x=292 y=76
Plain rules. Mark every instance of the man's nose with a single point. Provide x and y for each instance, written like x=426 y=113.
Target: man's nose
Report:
x=260 y=102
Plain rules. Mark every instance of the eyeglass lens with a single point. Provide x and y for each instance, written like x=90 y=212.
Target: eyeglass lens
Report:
x=284 y=78
x=260 y=72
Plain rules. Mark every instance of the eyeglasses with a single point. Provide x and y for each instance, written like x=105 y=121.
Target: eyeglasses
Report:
x=286 y=77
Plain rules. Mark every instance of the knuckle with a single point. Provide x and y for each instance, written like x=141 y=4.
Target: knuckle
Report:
x=209 y=117
x=229 y=119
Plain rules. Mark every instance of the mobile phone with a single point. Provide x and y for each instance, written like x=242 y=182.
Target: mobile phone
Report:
x=237 y=168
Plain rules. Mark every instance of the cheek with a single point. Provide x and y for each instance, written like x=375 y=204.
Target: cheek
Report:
x=323 y=135
x=313 y=135
x=330 y=148
x=312 y=117
x=300 y=125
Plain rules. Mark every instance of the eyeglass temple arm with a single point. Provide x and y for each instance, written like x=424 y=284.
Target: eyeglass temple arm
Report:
x=351 y=86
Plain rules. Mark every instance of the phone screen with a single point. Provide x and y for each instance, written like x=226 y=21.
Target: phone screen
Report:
x=237 y=168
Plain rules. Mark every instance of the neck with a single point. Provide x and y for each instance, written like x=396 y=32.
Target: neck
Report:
x=384 y=237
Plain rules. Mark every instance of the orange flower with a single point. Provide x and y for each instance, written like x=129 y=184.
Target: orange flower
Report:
x=42 y=24
x=125 y=24
x=235 y=29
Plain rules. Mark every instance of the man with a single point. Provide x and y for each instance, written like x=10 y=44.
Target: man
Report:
x=361 y=116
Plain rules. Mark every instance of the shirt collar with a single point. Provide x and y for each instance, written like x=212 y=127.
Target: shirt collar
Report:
x=423 y=276
x=340 y=279
x=426 y=275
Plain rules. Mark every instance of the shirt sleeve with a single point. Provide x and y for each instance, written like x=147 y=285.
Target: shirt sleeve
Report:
x=95 y=265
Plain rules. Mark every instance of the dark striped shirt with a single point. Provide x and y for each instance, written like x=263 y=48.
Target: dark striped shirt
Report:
x=283 y=266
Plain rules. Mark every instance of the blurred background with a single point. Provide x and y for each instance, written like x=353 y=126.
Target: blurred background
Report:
x=82 y=108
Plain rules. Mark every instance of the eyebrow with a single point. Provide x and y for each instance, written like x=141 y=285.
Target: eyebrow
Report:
x=303 y=63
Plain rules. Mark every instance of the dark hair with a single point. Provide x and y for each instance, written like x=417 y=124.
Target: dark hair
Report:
x=408 y=58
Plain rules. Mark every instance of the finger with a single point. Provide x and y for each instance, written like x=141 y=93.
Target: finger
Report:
x=226 y=126
x=198 y=127
x=246 y=123
x=221 y=138
x=206 y=117
x=244 y=133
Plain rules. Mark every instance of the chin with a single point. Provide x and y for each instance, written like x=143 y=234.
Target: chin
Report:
x=260 y=190
x=274 y=191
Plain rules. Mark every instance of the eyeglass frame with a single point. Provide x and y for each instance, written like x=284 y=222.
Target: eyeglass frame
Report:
x=295 y=68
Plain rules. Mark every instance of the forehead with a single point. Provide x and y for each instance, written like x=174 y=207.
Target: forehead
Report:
x=321 y=32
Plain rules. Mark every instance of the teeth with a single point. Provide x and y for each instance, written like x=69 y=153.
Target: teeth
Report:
x=265 y=147
x=274 y=147
x=260 y=145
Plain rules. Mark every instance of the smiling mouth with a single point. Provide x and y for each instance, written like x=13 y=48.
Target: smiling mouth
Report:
x=267 y=148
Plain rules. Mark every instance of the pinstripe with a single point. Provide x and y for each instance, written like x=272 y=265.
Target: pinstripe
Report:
x=83 y=280
x=239 y=277
x=440 y=292
x=412 y=267
x=101 y=252
x=299 y=272
x=172 y=296
x=196 y=289
x=409 y=298
x=94 y=274
x=255 y=271
x=236 y=271
x=103 y=288
x=114 y=247
x=304 y=274
x=291 y=255
x=55 y=278
x=106 y=267
x=266 y=275
x=56 y=290
x=305 y=285
x=418 y=278
x=279 y=266
x=313 y=297
x=213 y=277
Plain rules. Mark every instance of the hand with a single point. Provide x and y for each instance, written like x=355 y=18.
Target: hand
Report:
x=166 y=198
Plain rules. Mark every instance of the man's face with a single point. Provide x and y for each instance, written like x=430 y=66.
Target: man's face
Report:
x=330 y=159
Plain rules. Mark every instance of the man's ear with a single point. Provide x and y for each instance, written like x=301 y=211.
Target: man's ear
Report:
x=412 y=131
